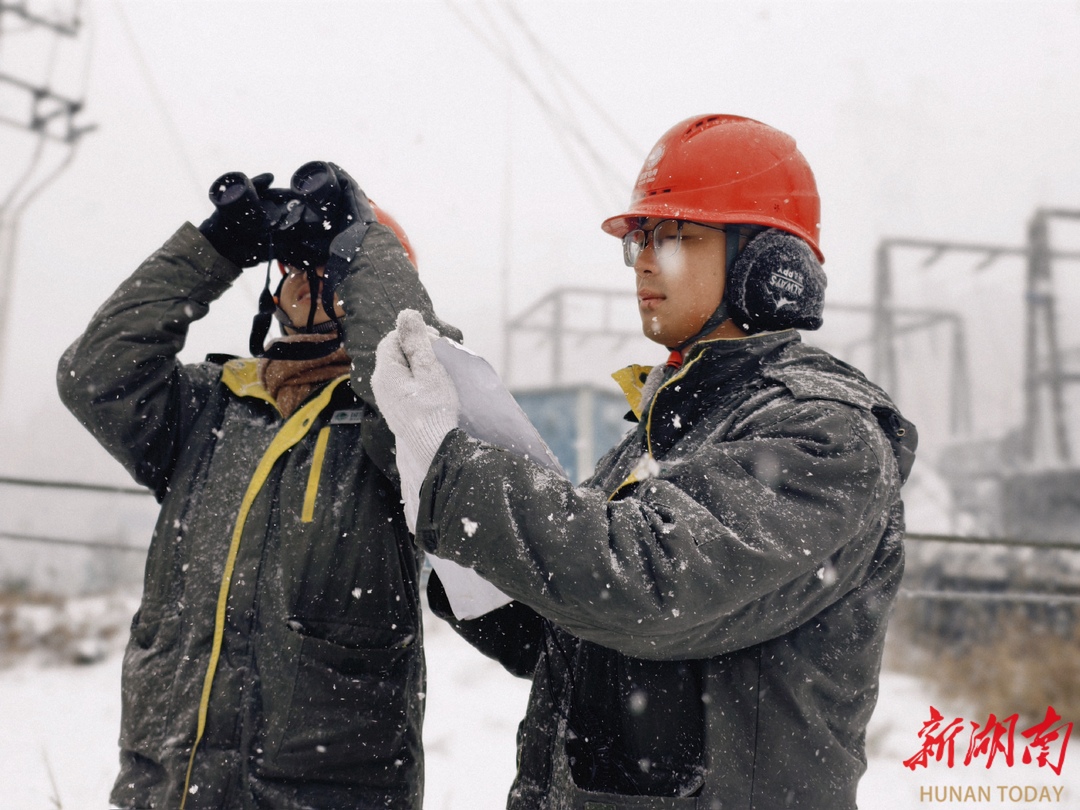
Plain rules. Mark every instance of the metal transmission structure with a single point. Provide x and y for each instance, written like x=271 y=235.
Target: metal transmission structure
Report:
x=1045 y=375
x=1044 y=434
x=899 y=322
x=550 y=318
x=32 y=106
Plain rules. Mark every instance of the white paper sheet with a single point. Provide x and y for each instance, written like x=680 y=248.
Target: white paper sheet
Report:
x=491 y=414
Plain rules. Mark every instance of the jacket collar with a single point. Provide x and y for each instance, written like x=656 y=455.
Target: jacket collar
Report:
x=727 y=358
x=743 y=348
x=241 y=376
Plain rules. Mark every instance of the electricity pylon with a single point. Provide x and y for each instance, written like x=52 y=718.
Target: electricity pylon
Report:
x=47 y=117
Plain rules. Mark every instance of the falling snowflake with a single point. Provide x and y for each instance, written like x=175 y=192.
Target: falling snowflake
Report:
x=827 y=574
x=647 y=467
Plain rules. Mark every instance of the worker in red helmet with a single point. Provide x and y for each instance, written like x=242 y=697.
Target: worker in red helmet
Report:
x=749 y=185
x=703 y=619
x=275 y=660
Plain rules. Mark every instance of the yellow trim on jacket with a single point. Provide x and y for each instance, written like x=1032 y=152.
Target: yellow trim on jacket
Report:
x=296 y=427
x=631 y=379
x=241 y=376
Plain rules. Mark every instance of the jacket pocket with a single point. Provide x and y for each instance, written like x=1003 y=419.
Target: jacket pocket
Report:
x=567 y=794
x=150 y=667
x=348 y=719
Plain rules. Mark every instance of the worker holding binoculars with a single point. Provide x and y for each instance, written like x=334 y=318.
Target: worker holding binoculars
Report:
x=275 y=660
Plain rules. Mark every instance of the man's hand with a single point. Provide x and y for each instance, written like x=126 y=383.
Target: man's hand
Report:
x=417 y=399
x=239 y=228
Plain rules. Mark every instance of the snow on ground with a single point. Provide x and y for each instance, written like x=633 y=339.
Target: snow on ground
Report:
x=60 y=724
x=473 y=710
x=58 y=750
x=60 y=728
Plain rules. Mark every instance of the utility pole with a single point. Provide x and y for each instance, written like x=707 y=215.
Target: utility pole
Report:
x=49 y=119
x=1045 y=377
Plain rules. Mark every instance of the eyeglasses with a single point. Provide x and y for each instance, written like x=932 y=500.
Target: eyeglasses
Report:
x=666 y=237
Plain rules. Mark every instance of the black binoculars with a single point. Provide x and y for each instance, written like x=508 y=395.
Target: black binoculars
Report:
x=302 y=219
x=317 y=182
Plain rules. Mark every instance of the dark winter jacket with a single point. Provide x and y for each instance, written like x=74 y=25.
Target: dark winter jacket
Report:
x=717 y=593
x=313 y=637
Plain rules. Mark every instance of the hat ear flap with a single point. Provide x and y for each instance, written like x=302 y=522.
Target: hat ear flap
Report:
x=776 y=283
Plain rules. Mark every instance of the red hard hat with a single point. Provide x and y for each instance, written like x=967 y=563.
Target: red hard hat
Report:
x=722 y=169
x=395 y=226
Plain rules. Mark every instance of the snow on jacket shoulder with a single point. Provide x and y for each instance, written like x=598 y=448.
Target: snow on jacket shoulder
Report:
x=316 y=662
x=728 y=571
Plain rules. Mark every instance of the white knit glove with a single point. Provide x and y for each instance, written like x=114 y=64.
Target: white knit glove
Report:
x=417 y=399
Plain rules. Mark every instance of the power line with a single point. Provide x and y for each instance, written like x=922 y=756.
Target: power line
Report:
x=67 y=28
x=65 y=541
x=199 y=185
x=633 y=148
x=568 y=131
x=1062 y=545
x=76 y=485
x=159 y=101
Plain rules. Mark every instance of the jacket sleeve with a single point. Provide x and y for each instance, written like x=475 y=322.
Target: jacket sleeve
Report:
x=122 y=379
x=513 y=635
x=740 y=541
x=380 y=283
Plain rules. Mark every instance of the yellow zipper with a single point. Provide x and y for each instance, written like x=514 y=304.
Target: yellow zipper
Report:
x=632 y=478
x=291 y=432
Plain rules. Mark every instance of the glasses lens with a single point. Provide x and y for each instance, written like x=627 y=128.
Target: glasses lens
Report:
x=665 y=238
x=632 y=245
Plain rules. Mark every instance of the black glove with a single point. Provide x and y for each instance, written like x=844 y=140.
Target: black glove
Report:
x=239 y=228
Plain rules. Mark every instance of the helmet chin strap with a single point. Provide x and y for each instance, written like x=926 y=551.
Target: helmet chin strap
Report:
x=269 y=311
x=720 y=315
x=260 y=324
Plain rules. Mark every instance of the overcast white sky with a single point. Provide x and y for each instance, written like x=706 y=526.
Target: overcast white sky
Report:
x=931 y=119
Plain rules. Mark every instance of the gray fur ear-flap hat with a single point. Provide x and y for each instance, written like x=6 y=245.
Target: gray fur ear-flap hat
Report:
x=776 y=283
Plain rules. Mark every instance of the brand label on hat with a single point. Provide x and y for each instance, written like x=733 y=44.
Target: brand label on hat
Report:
x=788 y=283
x=648 y=171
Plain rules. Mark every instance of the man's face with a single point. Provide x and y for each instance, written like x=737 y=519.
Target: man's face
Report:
x=295 y=298
x=677 y=293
